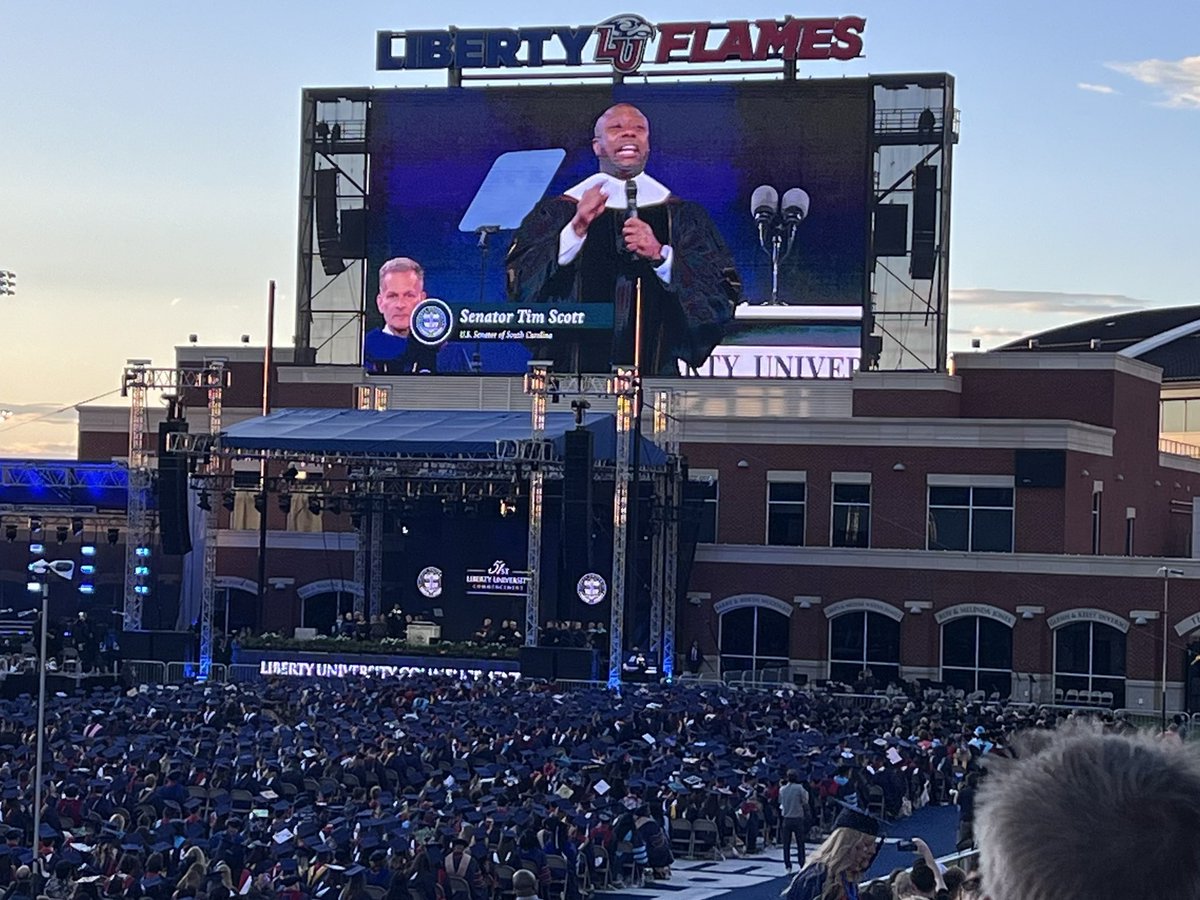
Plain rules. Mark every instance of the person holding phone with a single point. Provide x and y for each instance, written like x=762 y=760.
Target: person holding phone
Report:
x=834 y=869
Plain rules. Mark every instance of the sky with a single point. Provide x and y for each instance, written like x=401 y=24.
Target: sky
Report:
x=150 y=164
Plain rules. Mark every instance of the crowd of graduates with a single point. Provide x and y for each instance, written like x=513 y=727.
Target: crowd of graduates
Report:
x=435 y=787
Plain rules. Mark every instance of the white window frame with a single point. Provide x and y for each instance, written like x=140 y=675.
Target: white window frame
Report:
x=977 y=668
x=851 y=478
x=785 y=476
x=973 y=481
x=712 y=477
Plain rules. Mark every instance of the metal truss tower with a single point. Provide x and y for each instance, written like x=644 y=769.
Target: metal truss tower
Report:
x=138 y=380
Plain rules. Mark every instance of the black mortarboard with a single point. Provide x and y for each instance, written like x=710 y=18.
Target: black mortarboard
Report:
x=850 y=817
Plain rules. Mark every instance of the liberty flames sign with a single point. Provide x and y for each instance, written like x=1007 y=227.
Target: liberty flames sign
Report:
x=624 y=41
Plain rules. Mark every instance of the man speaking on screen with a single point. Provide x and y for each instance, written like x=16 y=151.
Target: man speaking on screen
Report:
x=617 y=228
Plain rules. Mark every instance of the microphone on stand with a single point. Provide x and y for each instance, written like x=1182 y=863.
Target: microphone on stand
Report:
x=795 y=210
x=764 y=206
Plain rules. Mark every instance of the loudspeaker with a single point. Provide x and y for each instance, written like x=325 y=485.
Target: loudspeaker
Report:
x=172 y=492
x=577 y=503
x=1040 y=468
x=891 y=229
x=923 y=260
x=329 y=241
x=537 y=662
x=164 y=646
x=353 y=243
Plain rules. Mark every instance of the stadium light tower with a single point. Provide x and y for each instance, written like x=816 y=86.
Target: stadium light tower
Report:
x=8 y=282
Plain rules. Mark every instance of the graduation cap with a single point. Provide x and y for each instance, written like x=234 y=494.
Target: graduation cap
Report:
x=854 y=818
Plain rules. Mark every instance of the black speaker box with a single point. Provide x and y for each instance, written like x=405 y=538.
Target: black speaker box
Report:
x=891 y=229
x=329 y=242
x=924 y=229
x=1040 y=468
x=173 y=493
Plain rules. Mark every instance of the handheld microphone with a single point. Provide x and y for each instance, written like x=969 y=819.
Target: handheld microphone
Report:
x=630 y=213
x=764 y=206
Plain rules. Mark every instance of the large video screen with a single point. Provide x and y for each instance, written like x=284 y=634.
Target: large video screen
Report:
x=458 y=176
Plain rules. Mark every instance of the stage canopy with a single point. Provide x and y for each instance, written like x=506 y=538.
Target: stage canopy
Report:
x=413 y=433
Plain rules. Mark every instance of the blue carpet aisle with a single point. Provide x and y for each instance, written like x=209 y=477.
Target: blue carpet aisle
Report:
x=762 y=876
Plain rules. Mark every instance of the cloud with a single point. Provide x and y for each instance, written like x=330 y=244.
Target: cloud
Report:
x=41 y=450
x=1178 y=80
x=1046 y=302
x=1096 y=88
x=47 y=409
x=175 y=301
x=984 y=333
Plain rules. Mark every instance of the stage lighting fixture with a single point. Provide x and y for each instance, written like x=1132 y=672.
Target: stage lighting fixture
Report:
x=260 y=502
x=448 y=506
x=141 y=571
x=61 y=533
x=34 y=587
x=86 y=588
x=335 y=506
x=203 y=503
x=76 y=527
x=285 y=503
x=35 y=525
x=290 y=473
x=87 y=569
x=507 y=506
x=470 y=509
x=87 y=550
x=314 y=505
x=228 y=500
x=37 y=549
x=10 y=533
x=142 y=552
x=141 y=589
x=114 y=535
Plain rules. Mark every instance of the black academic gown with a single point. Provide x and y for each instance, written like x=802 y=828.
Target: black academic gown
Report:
x=683 y=320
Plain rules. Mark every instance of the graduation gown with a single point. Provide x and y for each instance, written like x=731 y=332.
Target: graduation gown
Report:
x=681 y=320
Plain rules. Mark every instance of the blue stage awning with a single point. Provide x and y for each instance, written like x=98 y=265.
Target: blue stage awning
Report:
x=424 y=433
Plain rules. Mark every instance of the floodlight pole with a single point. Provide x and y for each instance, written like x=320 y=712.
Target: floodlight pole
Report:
x=1167 y=573
x=41 y=716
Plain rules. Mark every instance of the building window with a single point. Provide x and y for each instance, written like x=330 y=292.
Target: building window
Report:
x=1097 y=498
x=701 y=501
x=1130 y=521
x=754 y=638
x=977 y=655
x=971 y=517
x=1180 y=414
x=864 y=647
x=1089 y=664
x=851 y=515
x=786 y=492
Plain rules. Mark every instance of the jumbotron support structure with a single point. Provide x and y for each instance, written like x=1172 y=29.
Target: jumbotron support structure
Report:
x=138 y=380
x=624 y=386
x=216 y=383
x=664 y=575
x=537 y=385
